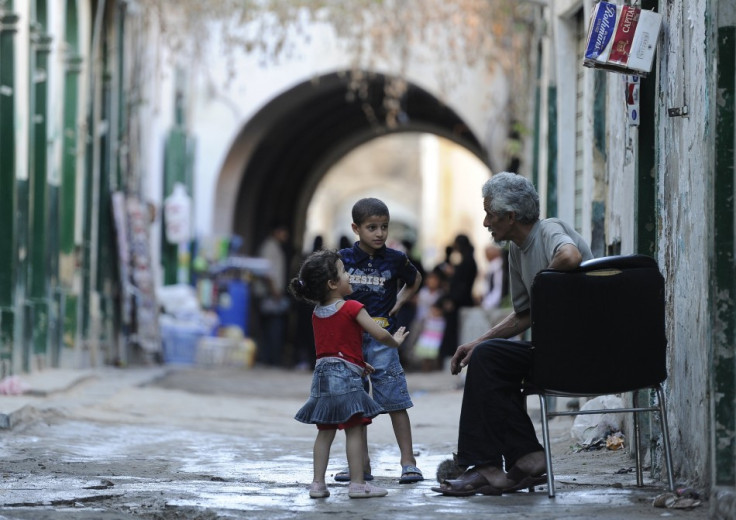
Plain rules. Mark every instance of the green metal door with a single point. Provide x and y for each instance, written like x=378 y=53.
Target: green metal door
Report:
x=38 y=194
x=8 y=201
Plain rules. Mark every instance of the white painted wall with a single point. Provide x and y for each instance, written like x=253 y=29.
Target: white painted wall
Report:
x=621 y=165
x=22 y=86
x=565 y=42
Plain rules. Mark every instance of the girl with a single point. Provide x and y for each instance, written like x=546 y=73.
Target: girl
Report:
x=338 y=400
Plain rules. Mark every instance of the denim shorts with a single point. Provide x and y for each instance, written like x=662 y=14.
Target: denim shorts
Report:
x=337 y=394
x=388 y=381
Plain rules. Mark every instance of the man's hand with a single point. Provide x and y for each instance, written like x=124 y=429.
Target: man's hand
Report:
x=461 y=358
x=512 y=325
x=368 y=369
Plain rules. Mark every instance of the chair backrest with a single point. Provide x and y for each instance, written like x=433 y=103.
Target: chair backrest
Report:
x=601 y=328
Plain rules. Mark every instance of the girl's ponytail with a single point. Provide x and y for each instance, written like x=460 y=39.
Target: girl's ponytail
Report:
x=311 y=284
x=296 y=287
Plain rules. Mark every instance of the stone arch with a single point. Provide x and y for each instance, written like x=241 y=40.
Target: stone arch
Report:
x=278 y=158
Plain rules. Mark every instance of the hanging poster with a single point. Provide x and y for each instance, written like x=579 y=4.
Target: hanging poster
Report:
x=147 y=333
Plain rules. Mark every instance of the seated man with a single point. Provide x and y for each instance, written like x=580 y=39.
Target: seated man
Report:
x=495 y=430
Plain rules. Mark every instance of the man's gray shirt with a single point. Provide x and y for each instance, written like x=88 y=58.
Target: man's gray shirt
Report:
x=545 y=238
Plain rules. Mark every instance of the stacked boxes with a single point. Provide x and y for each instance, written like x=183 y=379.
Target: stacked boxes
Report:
x=622 y=38
x=216 y=351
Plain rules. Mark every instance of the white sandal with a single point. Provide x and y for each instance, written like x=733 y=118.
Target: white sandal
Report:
x=318 y=490
x=366 y=490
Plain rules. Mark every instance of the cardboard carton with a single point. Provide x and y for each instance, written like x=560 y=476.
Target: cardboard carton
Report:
x=622 y=38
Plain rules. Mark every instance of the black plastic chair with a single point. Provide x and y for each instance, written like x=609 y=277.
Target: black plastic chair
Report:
x=600 y=330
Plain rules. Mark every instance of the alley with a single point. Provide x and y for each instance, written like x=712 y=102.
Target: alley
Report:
x=163 y=443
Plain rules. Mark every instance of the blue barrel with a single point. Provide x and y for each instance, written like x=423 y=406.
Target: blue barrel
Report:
x=233 y=305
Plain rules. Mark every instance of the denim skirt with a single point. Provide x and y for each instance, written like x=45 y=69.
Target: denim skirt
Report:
x=337 y=394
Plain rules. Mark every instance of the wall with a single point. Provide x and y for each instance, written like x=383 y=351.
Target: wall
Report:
x=684 y=193
x=685 y=74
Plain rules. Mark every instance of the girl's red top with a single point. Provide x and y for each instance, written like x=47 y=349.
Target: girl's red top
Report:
x=340 y=335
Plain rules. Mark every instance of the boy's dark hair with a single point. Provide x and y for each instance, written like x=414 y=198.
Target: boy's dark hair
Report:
x=311 y=284
x=369 y=207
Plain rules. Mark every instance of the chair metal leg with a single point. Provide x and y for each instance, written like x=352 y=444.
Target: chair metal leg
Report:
x=665 y=437
x=637 y=441
x=547 y=447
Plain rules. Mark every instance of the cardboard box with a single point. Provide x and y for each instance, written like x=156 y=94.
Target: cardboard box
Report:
x=622 y=38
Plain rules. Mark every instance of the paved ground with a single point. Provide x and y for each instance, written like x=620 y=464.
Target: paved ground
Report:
x=182 y=442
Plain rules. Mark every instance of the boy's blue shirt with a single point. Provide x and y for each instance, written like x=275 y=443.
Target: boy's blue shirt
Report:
x=375 y=279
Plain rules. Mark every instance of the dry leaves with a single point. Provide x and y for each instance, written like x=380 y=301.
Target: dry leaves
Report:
x=460 y=33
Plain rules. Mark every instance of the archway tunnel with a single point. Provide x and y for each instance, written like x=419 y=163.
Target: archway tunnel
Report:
x=287 y=147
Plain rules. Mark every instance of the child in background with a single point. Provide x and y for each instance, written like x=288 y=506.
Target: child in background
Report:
x=427 y=347
x=426 y=299
x=383 y=279
x=338 y=399
x=429 y=294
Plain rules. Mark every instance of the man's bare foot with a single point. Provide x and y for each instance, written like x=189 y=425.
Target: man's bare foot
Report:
x=496 y=477
x=529 y=471
x=532 y=463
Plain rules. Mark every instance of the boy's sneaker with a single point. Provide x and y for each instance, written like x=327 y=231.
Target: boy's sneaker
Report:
x=318 y=490
x=366 y=490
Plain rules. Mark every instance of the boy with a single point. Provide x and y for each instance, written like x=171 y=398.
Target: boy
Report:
x=375 y=274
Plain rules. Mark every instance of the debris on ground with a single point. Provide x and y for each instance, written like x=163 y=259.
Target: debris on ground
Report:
x=13 y=385
x=682 y=498
x=615 y=441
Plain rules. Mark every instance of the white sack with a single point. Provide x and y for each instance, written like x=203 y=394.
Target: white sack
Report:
x=592 y=428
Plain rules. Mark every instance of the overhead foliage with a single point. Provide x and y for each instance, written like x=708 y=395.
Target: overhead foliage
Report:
x=465 y=33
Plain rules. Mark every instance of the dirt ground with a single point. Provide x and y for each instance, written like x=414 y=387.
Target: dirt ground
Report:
x=165 y=443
